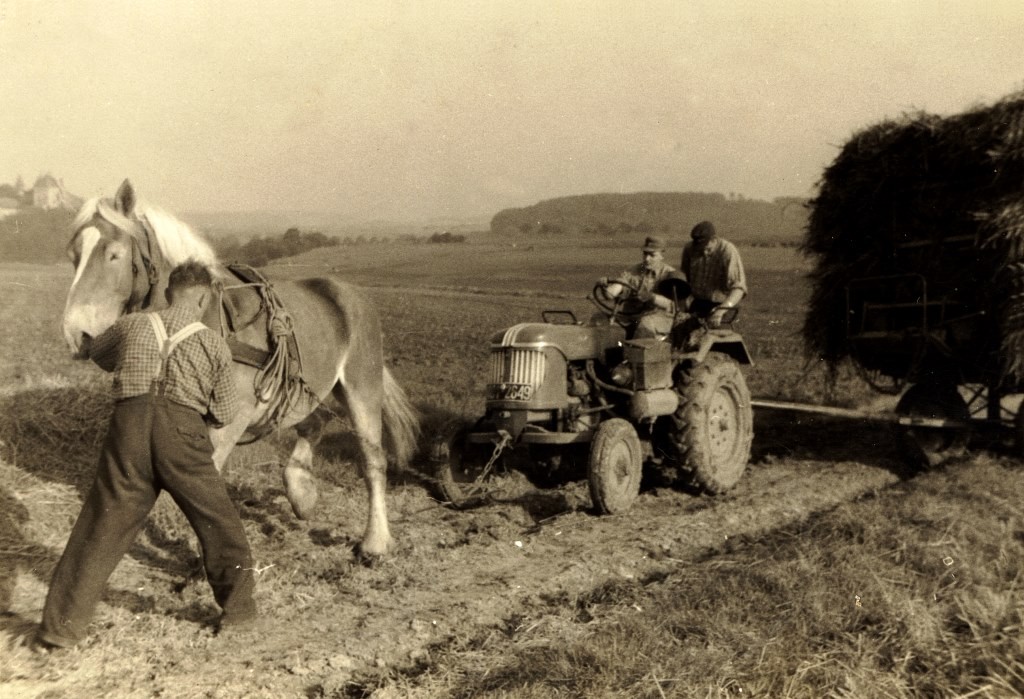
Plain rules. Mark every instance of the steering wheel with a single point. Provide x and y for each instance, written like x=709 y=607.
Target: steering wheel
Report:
x=612 y=305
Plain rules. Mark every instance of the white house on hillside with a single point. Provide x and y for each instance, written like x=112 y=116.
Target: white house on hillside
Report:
x=49 y=193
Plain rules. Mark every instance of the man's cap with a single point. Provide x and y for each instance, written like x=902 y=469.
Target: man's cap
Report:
x=654 y=244
x=705 y=230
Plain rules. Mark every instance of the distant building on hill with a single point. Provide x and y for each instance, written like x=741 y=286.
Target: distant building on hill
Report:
x=47 y=192
x=8 y=206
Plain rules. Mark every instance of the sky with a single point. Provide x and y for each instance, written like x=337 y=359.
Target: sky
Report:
x=412 y=110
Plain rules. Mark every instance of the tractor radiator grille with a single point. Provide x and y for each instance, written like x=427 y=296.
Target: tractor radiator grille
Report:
x=517 y=366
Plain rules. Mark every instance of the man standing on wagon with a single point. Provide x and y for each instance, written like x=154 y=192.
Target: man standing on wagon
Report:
x=172 y=377
x=713 y=267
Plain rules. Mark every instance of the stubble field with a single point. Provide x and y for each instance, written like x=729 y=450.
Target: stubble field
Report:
x=829 y=571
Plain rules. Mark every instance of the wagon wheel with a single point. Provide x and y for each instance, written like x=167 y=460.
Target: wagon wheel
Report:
x=711 y=430
x=931 y=447
x=465 y=474
x=616 y=460
x=1018 y=431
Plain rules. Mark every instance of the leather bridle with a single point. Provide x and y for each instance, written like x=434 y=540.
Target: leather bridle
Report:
x=146 y=264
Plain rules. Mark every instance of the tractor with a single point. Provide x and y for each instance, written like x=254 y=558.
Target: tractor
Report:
x=565 y=394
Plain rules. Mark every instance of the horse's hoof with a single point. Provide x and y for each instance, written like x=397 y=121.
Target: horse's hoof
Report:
x=369 y=560
x=300 y=488
x=370 y=555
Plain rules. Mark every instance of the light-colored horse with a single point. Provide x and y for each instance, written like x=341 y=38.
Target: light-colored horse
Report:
x=123 y=251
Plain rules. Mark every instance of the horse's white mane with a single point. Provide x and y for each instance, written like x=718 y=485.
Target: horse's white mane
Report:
x=177 y=241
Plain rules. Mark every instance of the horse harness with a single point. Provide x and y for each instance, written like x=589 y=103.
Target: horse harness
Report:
x=278 y=381
x=145 y=256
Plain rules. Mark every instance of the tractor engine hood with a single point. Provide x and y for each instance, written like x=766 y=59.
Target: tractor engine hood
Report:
x=573 y=341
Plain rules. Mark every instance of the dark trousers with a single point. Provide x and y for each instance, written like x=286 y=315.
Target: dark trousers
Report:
x=153 y=444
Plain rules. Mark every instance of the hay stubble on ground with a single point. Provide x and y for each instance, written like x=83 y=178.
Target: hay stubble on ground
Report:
x=455 y=579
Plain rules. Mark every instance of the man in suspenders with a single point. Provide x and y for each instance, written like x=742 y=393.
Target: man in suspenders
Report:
x=172 y=378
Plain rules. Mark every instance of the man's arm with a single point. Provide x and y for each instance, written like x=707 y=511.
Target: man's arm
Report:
x=663 y=303
x=103 y=349
x=736 y=295
x=736 y=280
x=613 y=288
x=224 y=403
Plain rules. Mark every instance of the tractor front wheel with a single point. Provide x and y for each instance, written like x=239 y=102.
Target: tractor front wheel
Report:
x=616 y=460
x=461 y=475
x=713 y=426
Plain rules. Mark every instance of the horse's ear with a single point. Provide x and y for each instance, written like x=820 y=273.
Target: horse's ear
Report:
x=124 y=200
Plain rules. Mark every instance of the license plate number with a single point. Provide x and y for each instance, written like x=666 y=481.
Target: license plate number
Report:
x=509 y=391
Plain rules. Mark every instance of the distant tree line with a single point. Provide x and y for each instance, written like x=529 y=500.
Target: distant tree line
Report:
x=261 y=250
x=669 y=214
x=446 y=237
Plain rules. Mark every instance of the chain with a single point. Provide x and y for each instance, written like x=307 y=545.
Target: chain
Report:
x=441 y=453
x=499 y=447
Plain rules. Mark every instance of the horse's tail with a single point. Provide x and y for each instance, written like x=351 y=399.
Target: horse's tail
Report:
x=401 y=422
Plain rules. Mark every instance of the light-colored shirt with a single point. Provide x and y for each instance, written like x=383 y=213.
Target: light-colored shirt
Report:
x=715 y=273
x=645 y=280
x=198 y=372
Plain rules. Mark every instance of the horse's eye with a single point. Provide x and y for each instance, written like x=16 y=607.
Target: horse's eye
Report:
x=115 y=256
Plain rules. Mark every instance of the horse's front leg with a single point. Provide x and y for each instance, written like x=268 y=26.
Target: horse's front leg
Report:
x=300 y=486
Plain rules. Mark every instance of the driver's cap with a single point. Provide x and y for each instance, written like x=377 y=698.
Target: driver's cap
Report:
x=654 y=244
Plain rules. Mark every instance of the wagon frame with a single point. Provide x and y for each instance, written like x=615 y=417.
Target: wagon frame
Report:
x=938 y=351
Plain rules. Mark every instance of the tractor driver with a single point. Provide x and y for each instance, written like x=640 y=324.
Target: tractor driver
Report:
x=657 y=312
x=713 y=267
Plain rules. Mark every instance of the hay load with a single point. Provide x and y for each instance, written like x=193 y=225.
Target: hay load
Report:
x=917 y=232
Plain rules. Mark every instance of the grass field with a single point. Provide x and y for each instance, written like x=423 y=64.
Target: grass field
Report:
x=830 y=571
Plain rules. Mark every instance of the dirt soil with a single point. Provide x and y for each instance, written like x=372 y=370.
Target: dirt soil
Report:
x=452 y=575
x=329 y=619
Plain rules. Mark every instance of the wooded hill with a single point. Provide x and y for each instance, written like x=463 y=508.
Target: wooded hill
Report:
x=670 y=214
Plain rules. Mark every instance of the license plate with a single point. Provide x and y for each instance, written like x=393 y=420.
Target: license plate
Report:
x=509 y=391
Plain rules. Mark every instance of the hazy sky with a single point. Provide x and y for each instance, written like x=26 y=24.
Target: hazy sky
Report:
x=413 y=109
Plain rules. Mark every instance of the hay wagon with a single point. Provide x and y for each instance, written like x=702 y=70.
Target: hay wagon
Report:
x=917 y=232
x=934 y=340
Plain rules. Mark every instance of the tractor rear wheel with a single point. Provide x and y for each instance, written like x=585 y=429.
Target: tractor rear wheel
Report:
x=711 y=430
x=616 y=461
x=931 y=447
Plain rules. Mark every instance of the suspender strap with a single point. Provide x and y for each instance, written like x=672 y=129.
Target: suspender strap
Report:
x=168 y=344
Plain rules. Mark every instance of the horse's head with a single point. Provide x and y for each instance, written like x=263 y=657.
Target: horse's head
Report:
x=110 y=250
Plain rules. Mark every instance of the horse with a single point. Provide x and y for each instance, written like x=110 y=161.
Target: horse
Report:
x=123 y=250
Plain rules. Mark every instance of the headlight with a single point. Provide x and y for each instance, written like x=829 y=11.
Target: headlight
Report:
x=622 y=375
